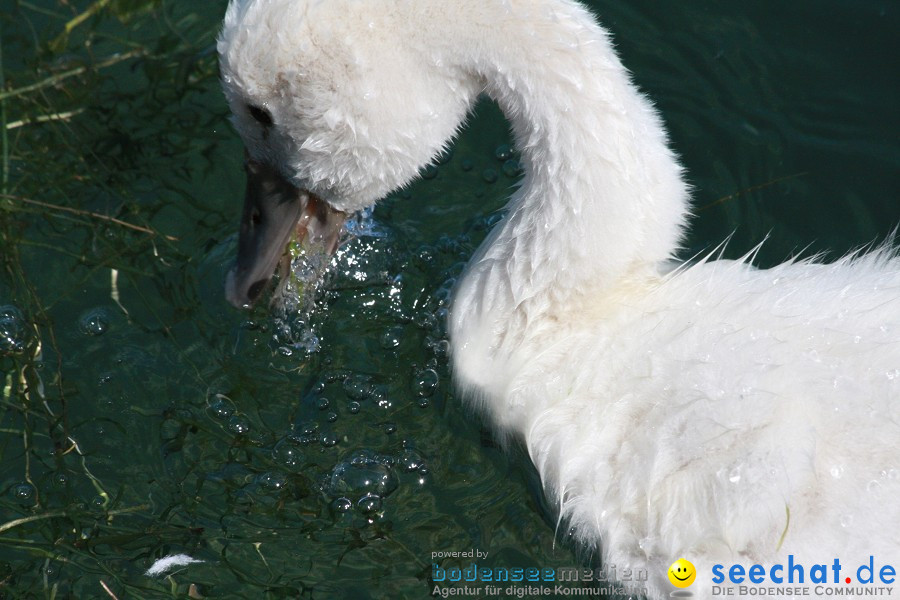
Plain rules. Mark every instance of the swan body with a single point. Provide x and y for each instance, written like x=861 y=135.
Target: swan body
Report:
x=708 y=410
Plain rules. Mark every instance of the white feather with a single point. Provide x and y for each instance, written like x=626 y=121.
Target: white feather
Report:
x=167 y=563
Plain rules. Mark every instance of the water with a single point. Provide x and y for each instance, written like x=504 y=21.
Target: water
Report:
x=143 y=417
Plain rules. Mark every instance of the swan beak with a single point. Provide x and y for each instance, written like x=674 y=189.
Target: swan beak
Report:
x=274 y=211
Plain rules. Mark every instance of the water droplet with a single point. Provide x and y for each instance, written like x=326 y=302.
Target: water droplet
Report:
x=837 y=471
x=489 y=175
x=425 y=383
x=467 y=165
x=390 y=428
x=735 y=475
x=322 y=403
x=94 y=322
x=874 y=487
x=430 y=172
x=329 y=439
x=342 y=504
x=331 y=417
x=353 y=407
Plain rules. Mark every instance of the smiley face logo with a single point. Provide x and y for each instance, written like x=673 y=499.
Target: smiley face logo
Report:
x=682 y=573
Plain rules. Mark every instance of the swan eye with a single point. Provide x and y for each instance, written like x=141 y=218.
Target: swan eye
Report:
x=262 y=116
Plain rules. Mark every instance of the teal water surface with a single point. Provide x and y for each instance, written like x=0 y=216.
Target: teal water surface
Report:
x=142 y=416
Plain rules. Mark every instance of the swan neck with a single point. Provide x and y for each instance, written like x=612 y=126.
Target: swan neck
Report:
x=602 y=193
x=602 y=201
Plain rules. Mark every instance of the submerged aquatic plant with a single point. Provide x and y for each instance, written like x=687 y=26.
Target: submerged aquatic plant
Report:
x=140 y=417
x=98 y=101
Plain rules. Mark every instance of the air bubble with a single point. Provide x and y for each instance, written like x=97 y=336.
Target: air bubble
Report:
x=441 y=349
x=287 y=454
x=425 y=383
x=489 y=175
x=391 y=338
x=512 y=168
x=13 y=332
x=503 y=152
x=357 y=387
x=239 y=425
x=424 y=320
x=411 y=461
x=305 y=433
x=221 y=407
x=94 y=322
x=369 y=503
x=364 y=473
x=272 y=482
x=24 y=493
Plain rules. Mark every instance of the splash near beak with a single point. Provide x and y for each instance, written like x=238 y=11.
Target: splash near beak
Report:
x=275 y=211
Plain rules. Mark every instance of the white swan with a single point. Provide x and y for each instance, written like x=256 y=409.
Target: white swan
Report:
x=711 y=410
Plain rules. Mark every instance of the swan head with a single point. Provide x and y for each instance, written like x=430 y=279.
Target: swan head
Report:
x=335 y=101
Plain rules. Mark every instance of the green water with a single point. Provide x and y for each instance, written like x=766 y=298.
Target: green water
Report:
x=142 y=416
